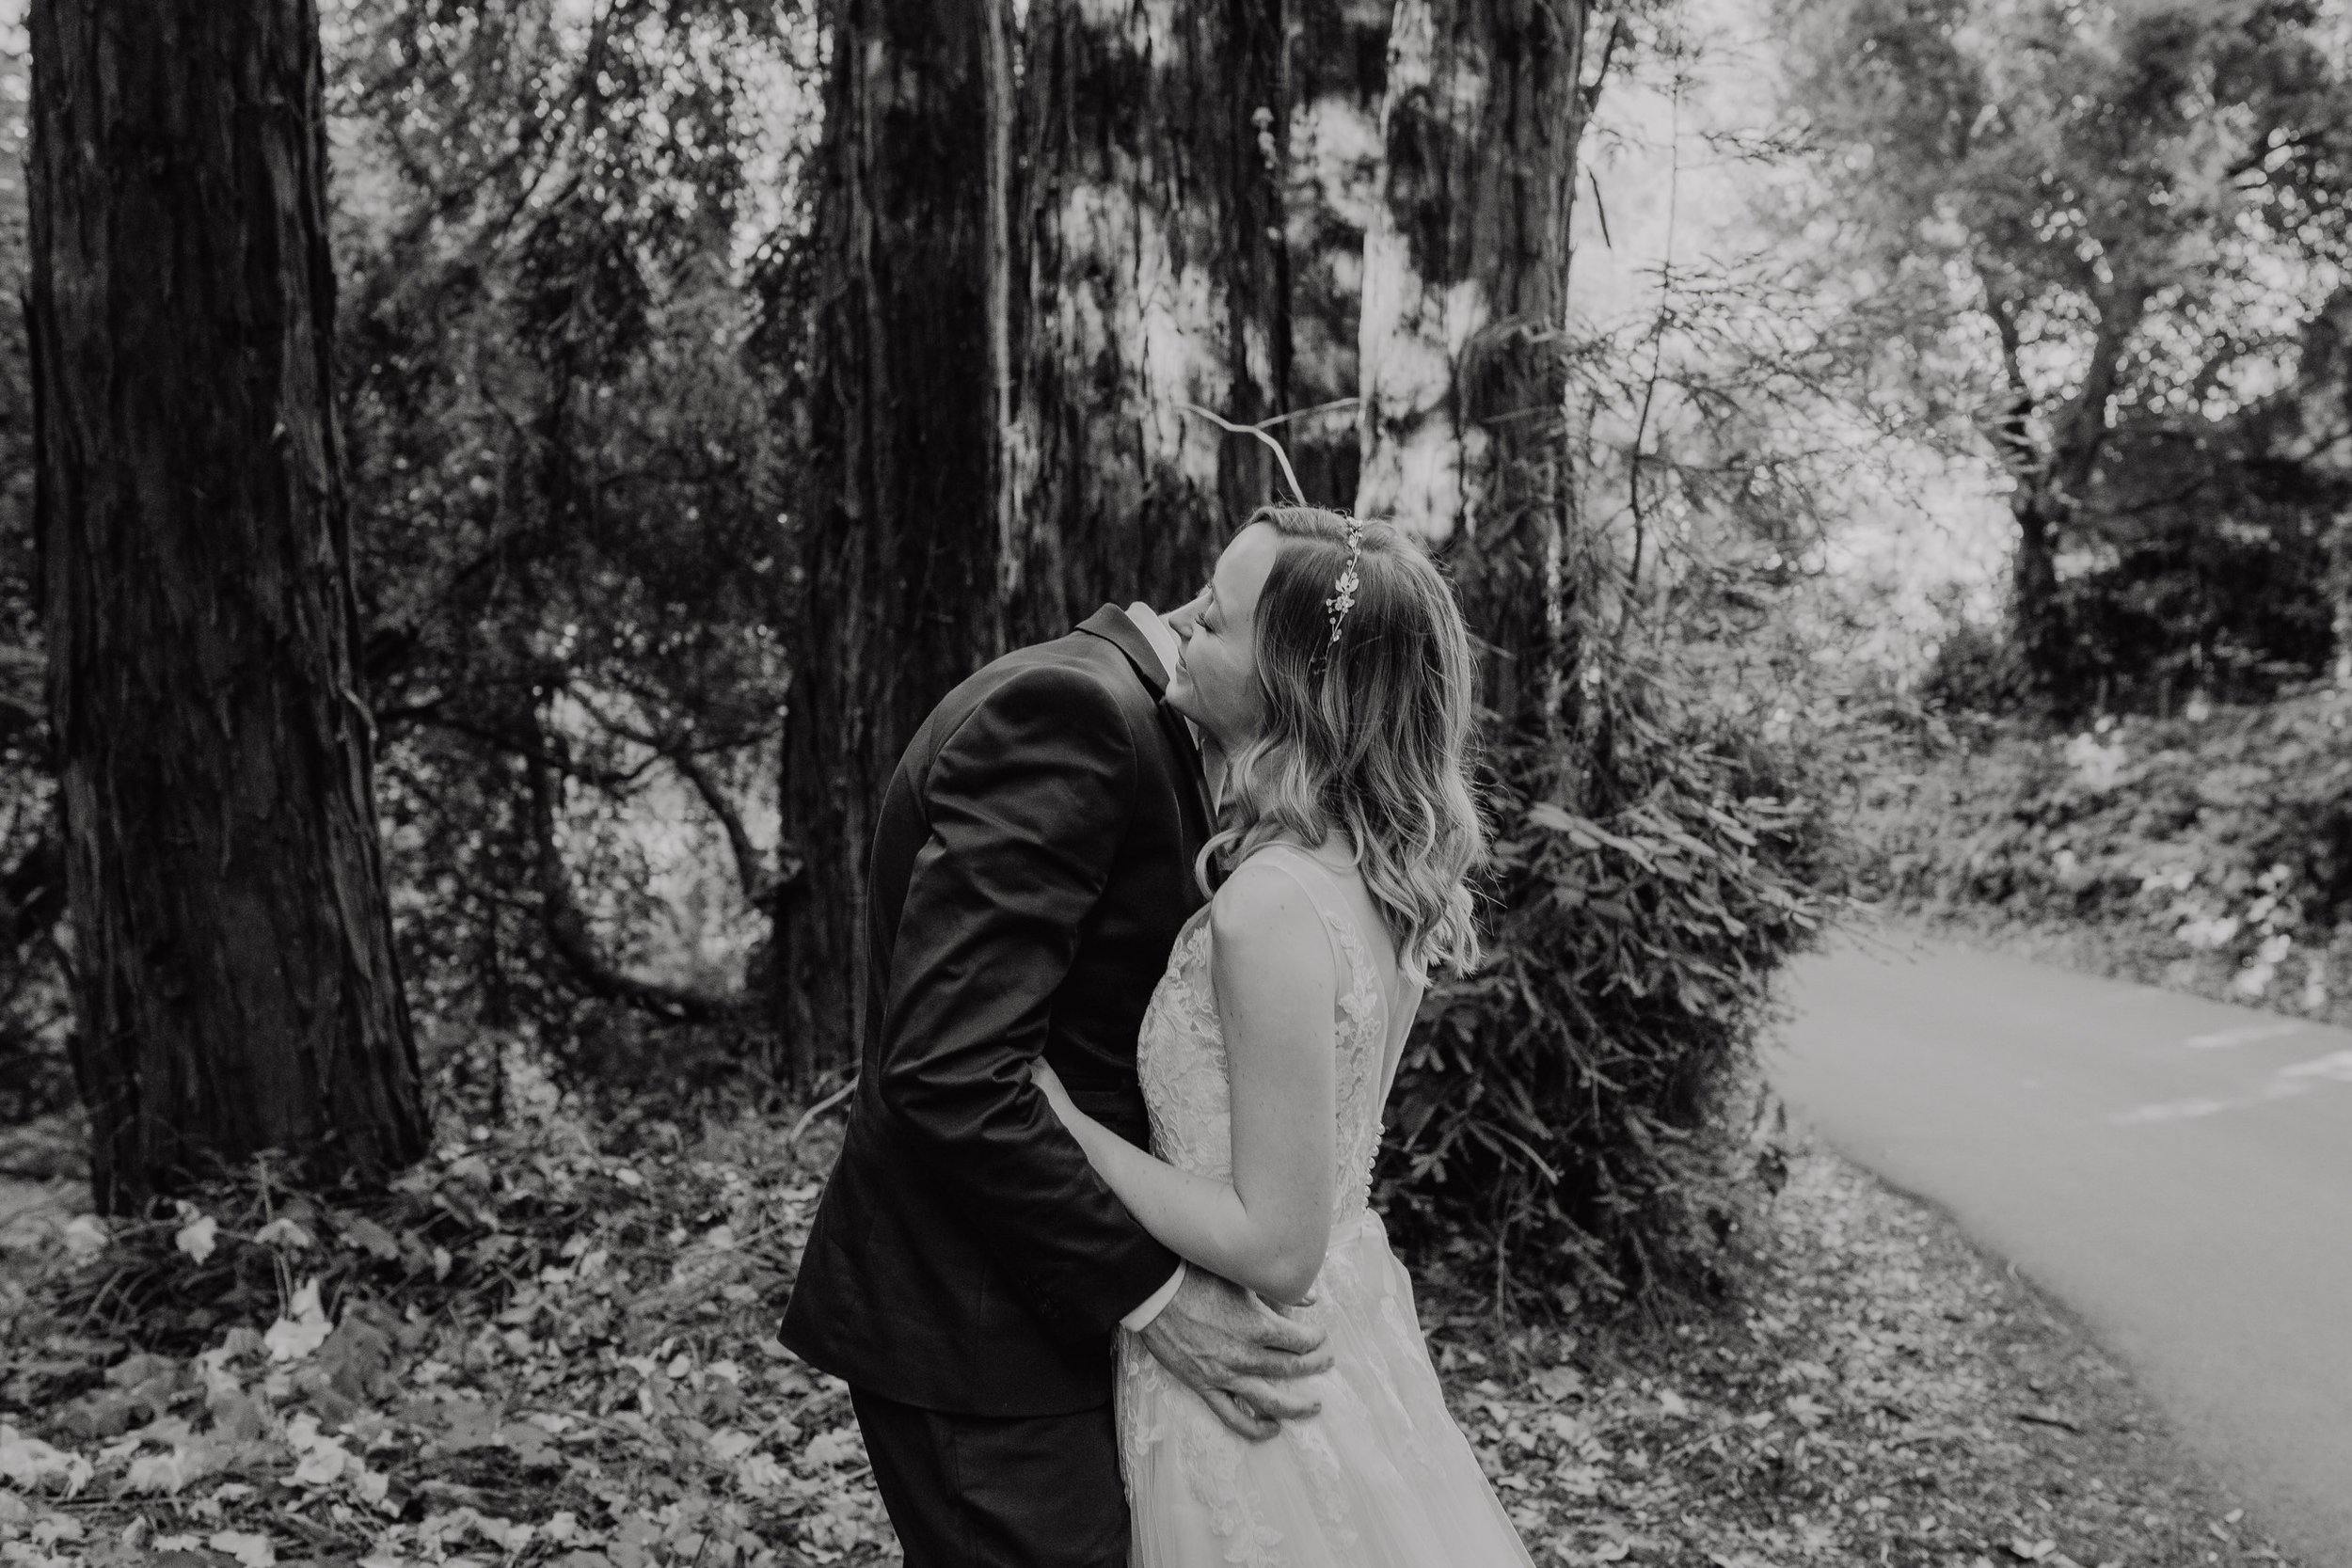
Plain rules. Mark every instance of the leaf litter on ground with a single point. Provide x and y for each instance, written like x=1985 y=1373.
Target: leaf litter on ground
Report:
x=552 y=1343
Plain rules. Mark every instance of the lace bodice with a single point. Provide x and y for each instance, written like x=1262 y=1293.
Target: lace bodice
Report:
x=1179 y=1054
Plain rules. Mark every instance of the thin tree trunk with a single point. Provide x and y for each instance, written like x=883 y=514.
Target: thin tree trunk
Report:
x=237 y=986
x=2318 y=433
x=2050 y=487
x=2036 y=622
x=1145 y=272
x=1465 y=269
x=896 y=599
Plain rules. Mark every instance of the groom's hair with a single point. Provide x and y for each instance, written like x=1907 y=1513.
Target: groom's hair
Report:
x=1368 y=732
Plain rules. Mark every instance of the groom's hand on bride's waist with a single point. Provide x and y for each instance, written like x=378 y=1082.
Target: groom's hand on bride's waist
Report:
x=1241 y=1355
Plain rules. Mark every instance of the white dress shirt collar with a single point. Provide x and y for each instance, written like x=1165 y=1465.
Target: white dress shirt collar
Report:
x=1156 y=632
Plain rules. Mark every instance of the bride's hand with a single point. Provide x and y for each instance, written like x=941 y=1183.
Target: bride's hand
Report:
x=1045 y=1078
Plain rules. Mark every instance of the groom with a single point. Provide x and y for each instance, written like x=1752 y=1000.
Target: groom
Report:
x=1032 y=864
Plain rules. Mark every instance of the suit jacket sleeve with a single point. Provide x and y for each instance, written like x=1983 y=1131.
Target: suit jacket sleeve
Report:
x=1028 y=801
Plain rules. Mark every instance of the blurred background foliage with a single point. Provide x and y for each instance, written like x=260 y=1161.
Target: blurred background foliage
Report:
x=1961 y=414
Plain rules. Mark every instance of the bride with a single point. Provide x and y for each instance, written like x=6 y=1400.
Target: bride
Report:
x=1328 y=663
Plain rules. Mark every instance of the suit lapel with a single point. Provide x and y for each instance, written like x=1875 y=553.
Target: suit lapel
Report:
x=1111 y=623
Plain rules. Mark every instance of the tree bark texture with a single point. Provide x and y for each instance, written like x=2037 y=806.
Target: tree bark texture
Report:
x=1144 y=271
x=1465 y=287
x=1338 y=76
x=1040 y=233
x=897 y=595
x=237 y=988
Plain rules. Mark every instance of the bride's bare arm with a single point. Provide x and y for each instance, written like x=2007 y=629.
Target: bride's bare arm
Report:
x=1268 y=1226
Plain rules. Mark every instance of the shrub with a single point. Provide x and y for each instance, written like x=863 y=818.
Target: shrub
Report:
x=1567 y=1120
x=1974 y=670
x=2212 y=850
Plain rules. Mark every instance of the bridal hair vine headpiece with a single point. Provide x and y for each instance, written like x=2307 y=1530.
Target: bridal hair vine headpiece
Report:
x=1343 y=597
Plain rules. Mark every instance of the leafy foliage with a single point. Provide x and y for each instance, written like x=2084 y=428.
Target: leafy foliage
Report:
x=568 y=487
x=2213 y=848
x=33 y=998
x=2098 y=239
x=568 y=423
x=1567 y=1121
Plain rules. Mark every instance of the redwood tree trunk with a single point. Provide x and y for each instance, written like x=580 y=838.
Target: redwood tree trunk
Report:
x=237 y=990
x=1038 y=237
x=1144 y=272
x=1338 y=77
x=1466 y=270
x=896 y=599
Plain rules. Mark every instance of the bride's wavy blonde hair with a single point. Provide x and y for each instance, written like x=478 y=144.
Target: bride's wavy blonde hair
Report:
x=1371 y=733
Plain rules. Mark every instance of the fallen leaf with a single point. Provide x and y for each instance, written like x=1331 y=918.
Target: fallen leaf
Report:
x=284 y=1232
x=86 y=1236
x=52 y=1528
x=164 y=1473
x=290 y=1339
x=28 y=1464
x=1558 y=1383
x=837 y=1447
x=199 y=1235
x=254 y=1551
x=368 y=1237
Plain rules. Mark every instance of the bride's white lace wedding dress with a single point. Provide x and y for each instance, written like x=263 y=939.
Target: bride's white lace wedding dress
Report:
x=1382 y=1478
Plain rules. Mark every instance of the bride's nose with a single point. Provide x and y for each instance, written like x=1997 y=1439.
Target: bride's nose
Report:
x=1186 y=616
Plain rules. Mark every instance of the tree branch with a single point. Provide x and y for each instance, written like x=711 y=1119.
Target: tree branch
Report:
x=2085 y=432
x=750 y=873
x=575 y=943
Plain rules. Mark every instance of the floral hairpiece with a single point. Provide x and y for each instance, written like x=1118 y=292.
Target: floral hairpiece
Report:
x=1343 y=597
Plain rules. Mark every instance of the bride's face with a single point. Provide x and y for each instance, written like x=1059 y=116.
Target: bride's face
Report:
x=1216 y=680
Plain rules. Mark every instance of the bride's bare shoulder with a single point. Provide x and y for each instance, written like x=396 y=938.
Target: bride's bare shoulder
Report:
x=1264 y=912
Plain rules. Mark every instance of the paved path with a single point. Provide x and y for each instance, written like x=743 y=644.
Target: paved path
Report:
x=2178 y=1172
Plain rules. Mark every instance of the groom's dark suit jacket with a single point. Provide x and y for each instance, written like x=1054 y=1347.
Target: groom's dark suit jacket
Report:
x=1031 y=866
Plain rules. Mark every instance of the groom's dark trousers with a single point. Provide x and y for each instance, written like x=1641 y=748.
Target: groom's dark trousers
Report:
x=1032 y=865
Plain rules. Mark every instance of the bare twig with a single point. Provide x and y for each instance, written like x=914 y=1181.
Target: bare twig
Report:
x=568 y=931
x=684 y=758
x=1331 y=407
x=1259 y=432
x=818 y=1109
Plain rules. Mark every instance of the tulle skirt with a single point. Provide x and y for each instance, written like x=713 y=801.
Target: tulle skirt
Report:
x=1381 y=1478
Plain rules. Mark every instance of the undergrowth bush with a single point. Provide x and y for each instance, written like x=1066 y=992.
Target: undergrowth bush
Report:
x=2212 y=851
x=1570 y=1121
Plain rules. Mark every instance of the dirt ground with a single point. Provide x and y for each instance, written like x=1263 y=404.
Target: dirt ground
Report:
x=1886 y=1395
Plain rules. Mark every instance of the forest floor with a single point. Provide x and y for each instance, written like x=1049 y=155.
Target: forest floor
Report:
x=550 y=1346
